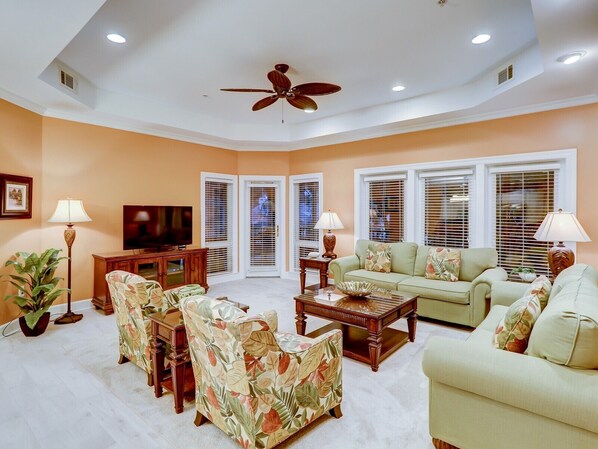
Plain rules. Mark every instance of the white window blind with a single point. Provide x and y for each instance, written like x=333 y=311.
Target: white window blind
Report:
x=446 y=210
x=306 y=203
x=218 y=209
x=386 y=208
x=522 y=201
x=262 y=245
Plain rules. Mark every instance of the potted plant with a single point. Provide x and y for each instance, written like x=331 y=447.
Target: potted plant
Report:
x=526 y=274
x=37 y=288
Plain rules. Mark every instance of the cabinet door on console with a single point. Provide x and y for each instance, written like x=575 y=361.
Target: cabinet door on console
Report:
x=175 y=271
x=148 y=268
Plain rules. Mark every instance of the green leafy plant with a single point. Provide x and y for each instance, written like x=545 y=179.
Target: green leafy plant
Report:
x=522 y=270
x=35 y=281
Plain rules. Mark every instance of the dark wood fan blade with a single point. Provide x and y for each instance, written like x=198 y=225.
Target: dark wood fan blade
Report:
x=264 y=102
x=279 y=80
x=268 y=91
x=316 y=89
x=303 y=103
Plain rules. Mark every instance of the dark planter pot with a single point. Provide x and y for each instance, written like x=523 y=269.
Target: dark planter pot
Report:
x=39 y=328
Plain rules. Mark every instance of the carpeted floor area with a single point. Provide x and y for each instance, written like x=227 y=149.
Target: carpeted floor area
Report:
x=65 y=389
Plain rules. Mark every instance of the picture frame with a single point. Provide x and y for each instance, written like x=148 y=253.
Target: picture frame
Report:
x=16 y=196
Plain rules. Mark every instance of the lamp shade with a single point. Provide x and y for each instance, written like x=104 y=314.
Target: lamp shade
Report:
x=329 y=220
x=561 y=227
x=69 y=211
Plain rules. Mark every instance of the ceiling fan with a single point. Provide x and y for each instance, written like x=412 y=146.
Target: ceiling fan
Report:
x=281 y=88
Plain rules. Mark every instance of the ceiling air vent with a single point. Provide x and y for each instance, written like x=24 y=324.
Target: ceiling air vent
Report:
x=505 y=74
x=68 y=80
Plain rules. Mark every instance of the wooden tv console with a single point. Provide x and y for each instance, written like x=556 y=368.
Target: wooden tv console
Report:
x=170 y=268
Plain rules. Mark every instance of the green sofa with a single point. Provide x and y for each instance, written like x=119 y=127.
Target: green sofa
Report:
x=482 y=397
x=461 y=302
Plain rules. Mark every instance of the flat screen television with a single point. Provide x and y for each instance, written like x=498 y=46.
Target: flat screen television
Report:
x=157 y=227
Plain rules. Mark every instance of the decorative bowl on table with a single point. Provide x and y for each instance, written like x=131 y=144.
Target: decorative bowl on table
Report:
x=356 y=288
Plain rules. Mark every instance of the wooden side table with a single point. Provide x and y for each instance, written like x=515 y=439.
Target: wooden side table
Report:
x=168 y=327
x=319 y=263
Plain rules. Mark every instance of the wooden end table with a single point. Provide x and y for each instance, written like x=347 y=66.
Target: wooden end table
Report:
x=364 y=322
x=168 y=327
x=319 y=263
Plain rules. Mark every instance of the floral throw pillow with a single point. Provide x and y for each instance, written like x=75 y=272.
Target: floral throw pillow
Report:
x=541 y=287
x=378 y=257
x=443 y=264
x=513 y=331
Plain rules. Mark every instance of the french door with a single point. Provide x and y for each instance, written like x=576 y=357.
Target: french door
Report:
x=263 y=212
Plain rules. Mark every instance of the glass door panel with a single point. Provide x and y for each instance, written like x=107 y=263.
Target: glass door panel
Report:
x=175 y=272
x=149 y=269
x=263 y=230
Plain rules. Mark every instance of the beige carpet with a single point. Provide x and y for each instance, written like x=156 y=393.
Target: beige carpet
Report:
x=69 y=379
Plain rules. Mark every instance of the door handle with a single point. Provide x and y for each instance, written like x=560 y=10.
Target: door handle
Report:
x=277 y=230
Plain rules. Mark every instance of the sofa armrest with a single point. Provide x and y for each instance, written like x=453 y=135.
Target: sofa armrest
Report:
x=480 y=291
x=506 y=293
x=342 y=265
x=541 y=387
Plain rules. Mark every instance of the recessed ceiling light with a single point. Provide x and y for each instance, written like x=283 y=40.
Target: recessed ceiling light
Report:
x=309 y=111
x=480 y=39
x=571 y=58
x=398 y=88
x=116 y=38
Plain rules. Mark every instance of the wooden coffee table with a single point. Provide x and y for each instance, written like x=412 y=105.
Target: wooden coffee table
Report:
x=364 y=322
x=168 y=327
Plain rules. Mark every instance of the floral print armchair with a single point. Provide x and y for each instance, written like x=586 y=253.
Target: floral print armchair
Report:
x=134 y=298
x=256 y=384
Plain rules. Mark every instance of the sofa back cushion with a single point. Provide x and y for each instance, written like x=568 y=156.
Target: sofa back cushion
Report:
x=567 y=330
x=574 y=273
x=402 y=255
x=474 y=261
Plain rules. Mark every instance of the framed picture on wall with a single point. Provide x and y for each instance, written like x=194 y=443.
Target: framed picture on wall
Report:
x=16 y=196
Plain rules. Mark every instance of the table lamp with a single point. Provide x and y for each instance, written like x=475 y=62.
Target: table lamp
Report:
x=329 y=220
x=69 y=211
x=560 y=227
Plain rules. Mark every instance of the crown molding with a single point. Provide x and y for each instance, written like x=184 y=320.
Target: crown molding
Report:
x=344 y=137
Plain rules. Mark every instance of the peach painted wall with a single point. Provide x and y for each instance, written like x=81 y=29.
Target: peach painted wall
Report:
x=560 y=129
x=20 y=154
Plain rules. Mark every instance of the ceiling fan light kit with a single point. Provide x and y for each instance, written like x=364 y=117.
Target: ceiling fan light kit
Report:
x=282 y=88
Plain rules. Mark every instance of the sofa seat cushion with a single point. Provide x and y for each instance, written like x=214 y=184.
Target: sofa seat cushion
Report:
x=455 y=292
x=388 y=281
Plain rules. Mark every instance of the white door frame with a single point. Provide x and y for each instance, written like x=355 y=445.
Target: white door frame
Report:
x=244 y=181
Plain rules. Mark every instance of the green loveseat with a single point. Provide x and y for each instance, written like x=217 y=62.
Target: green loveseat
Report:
x=461 y=302
x=482 y=397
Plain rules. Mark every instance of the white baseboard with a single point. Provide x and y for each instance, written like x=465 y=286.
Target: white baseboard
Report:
x=77 y=306
x=220 y=278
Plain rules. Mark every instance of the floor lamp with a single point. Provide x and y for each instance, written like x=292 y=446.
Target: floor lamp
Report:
x=69 y=211
x=329 y=220
x=560 y=227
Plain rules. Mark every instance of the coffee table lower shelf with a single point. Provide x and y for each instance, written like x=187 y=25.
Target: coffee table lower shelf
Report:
x=355 y=343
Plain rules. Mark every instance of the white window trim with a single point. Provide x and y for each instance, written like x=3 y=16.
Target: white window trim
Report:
x=294 y=181
x=479 y=229
x=243 y=181
x=233 y=180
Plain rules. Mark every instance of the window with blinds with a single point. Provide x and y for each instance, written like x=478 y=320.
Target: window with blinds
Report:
x=306 y=204
x=218 y=210
x=446 y=209
x=386 y=208
x=523 y=198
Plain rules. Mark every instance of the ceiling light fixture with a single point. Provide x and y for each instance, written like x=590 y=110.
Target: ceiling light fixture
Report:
x=398 y=88
x=571 y=58
x=480 y=39
x=116 y=38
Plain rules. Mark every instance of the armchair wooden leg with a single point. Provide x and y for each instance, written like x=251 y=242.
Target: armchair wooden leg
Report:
x=199 y=419
x=439 y=444
x=336 y=412
x=150 y=380
x=122 y=359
